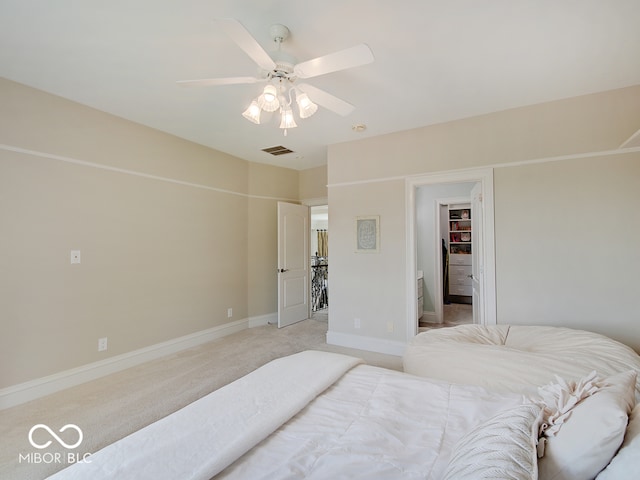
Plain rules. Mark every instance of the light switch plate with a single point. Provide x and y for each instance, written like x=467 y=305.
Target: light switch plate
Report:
x=75 y=256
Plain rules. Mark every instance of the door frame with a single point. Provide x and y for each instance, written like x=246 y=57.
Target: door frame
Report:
x=483 y=176
x=477 y=237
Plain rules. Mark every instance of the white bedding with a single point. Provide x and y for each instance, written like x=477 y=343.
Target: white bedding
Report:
x=515 y=358
x=349 y=421
x=203 y=438
x=373 y=423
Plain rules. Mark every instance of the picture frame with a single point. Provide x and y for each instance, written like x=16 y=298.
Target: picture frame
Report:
x=367 y=233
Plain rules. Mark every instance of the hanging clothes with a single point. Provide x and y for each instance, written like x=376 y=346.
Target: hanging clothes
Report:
x=445 y=273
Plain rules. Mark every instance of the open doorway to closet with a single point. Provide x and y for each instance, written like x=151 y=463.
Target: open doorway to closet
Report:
x=454 y=225
x=430 y=199
x=444 y=250
x=319 y=262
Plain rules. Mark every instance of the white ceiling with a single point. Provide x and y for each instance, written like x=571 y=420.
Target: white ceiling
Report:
x=435 y=61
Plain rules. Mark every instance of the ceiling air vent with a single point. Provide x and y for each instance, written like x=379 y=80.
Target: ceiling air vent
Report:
x=279 y=150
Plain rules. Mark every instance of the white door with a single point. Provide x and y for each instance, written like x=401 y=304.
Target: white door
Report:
x=477 y=257
x=293 y=263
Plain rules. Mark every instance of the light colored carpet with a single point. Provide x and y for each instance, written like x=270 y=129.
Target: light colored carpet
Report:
x=114 y=406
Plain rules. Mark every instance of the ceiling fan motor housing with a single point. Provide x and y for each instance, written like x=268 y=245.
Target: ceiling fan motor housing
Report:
x=279 y=33
x=284 y=62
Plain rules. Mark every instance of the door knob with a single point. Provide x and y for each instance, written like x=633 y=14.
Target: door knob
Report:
x=282 y=270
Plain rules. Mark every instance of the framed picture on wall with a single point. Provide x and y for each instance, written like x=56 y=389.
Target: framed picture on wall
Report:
x=368 y=234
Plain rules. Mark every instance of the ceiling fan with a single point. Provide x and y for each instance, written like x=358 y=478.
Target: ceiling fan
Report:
x=281 y=74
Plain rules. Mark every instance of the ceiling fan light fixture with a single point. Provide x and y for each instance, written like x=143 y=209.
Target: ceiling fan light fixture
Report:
x=305 y=105
x=287 y=121
x=280 y=71
x=270 y=93
x=267 y=106
x=268 y=100
x=253 y=113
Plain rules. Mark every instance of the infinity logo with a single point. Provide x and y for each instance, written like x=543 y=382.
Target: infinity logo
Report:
x=59 y=440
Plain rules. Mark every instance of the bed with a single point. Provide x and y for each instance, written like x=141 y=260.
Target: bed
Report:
x=321 y=415
x=309 y=415
x=515 y=358
x=527 y=359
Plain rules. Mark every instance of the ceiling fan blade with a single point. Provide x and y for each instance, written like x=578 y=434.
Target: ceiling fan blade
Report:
x=211 y=82
x=327 y=100
x=341 y=60
x=246 y=42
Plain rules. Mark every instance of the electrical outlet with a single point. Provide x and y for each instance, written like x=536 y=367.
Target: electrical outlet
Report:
x=102 y=344
x=229 y=312
x=390 y=327
x=356 y=323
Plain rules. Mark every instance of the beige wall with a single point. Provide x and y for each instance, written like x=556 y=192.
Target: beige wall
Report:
x=363 y=180
x=168 y=232
x=566 y=244
x=577 y=125
x=313 y=184
x=368 y=286
x=268 y=185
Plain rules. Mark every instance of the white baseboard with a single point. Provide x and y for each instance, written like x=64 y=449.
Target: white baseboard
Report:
x=370 y=344
x=262 y=320
x=429 y=317
x=24 y=392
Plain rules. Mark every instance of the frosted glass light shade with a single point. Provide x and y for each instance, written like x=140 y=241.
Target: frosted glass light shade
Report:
x=253 y=113
x=306 y=106
x=287 y=120
x=270 y=93
x=268 y=100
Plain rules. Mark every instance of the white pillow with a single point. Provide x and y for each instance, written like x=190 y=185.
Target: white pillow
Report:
x=591 y=435
x=502 y=447
x=626 y=464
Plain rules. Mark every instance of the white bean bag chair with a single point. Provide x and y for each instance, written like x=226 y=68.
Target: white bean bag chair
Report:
x=515 y=358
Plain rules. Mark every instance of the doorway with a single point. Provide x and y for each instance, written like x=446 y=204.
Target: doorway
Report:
x=438 y=242
x=453 y=224
x=320 y=262
x=477 y=190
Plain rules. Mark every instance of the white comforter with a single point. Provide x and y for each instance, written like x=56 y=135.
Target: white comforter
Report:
x=349 y=422
x=372 y=423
